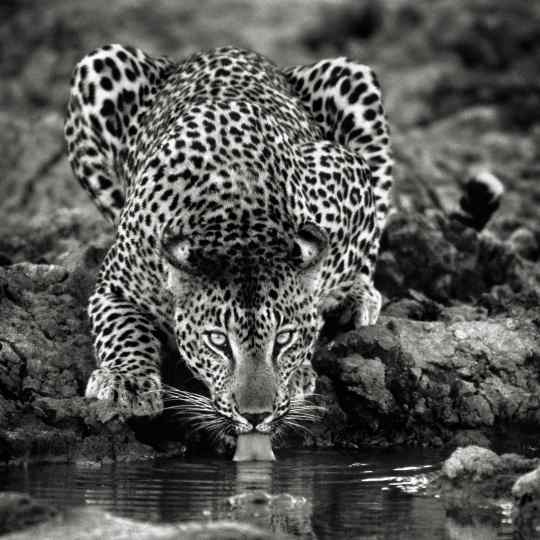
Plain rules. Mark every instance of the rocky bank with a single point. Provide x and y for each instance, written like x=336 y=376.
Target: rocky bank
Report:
x=479 y=489
x=22 y=517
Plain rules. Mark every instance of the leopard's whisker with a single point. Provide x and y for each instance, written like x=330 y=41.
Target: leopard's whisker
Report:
x=193 y=413
x=185 y=394
x=295 y=426
x=187 y=405
x=303 y=418
x=208 y=425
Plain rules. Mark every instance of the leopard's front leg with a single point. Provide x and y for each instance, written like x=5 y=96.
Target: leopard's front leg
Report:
x=367 y=301
x=359 y=301
x=128 y=352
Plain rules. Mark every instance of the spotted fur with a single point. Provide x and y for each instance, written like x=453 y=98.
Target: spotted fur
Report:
x=247 y=199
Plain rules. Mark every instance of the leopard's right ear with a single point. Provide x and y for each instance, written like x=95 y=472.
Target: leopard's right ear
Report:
x=177 y=250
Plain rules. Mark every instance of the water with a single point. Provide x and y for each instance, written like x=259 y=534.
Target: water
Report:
x=306 y=494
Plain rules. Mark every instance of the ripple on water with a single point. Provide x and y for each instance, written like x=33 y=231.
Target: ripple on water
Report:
x=308 y=495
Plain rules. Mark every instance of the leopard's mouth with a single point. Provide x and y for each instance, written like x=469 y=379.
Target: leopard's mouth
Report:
x=201 y=415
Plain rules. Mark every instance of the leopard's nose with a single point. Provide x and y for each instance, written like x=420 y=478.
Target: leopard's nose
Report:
x=256 y=418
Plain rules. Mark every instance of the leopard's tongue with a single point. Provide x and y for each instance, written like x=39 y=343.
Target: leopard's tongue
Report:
x=254 y=447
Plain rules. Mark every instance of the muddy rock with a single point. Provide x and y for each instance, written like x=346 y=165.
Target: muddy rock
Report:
x=434 y=161
x=44 y=329
x=18 y=511
x=478 y=473
x=425 y=382
x=446 y=261
x=331 y=429
x=338 y=25
x=526 y=512
x=36 y=177
x=475 y=486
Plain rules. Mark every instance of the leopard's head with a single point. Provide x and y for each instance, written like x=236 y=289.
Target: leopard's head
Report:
x=246 y=321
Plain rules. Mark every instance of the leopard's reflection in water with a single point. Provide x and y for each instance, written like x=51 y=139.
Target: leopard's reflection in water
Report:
x=257 y=500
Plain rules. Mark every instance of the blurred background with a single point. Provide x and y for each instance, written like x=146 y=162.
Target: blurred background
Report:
x=460 y=80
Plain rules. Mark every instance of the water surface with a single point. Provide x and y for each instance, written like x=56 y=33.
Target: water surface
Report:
x=307 y=494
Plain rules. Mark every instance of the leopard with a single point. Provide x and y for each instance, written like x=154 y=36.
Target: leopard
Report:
x=247 y=201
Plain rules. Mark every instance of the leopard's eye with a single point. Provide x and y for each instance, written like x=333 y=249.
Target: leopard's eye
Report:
x=218 y=339
x=284 y=338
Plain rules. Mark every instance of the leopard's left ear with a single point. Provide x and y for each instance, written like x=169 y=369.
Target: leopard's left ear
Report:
x=310 y=246
x=309 y=249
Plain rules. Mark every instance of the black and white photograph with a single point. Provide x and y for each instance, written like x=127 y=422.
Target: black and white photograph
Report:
x=270 y=269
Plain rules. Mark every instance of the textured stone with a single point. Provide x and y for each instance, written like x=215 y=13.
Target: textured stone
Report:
x=18 y=511
x=475 y=487
x=474 y=475
x=526 y=511
x=411 y=379
x=87 y=524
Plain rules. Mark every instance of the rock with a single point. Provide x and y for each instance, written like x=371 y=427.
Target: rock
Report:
x=433 y=162
x=474 y=475
x=471 y=462
x=467 y=437
x=523 y=241
x=18 y=511
x=338 y=24
x=61 y=237
x=475 y=35
x=44 y=326
x=89 y=524
x=410 y=381
x=475 y=486
x=494 y=70
x=445 y=261
x=526 y=511
x=76 y=430
x=331 y=429
x=35 y=173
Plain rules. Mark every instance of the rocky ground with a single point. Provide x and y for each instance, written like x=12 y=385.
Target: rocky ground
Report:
x=479 y=488
x=22 y=517
x=455 y=357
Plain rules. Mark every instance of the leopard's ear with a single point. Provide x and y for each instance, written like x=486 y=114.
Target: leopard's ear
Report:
x=309 y=246
x=181 y=273
x=177 y=250
x=309 y=250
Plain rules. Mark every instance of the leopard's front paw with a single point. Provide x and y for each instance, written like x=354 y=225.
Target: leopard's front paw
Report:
x=368 y=306
x=133 y=394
